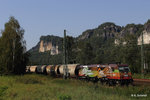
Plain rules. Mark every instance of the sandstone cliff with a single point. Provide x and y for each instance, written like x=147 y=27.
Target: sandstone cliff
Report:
x=48 y=46
x=50 y=43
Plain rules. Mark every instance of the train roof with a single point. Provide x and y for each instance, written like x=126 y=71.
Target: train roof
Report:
x=123 y=65
x=94 y=65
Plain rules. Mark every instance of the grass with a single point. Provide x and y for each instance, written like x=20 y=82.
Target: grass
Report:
x=40 y=87
x=138 y=76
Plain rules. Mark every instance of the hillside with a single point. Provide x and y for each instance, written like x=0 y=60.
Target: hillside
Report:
x=47 y=50
x=106 y=43
x=106 y=30
x=47 y=41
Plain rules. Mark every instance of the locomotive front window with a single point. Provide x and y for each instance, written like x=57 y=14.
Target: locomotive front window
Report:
x=121 y=69
x=124 y=69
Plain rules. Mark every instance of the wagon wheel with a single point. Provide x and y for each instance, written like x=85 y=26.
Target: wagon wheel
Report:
x=110 y=82
x=95 y=79
x=87 y=79
x=101 y=81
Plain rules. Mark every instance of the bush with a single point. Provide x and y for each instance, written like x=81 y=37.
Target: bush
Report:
x=2 y=90
x=64 y=97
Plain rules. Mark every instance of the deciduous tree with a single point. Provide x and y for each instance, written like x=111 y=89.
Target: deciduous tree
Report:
x=13 y=57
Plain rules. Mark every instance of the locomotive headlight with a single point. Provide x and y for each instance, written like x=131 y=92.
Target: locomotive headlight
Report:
x=125 y=75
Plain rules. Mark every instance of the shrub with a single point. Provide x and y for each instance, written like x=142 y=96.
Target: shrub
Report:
x=64 y=97
x=2 y=90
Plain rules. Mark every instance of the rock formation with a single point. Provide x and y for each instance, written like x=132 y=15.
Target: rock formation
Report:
x=47 y=46
x=146 y=38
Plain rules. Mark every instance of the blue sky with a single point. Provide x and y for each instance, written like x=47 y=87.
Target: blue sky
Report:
x=51 y=17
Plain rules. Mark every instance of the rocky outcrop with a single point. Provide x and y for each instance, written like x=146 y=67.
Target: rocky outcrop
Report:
x=146 y=34
x=146 y=38
x=147 y=26
x=48 y=43
x=130 y=30
x=106 y=30
x=54 y=50
x=48 y=46
x=137 y=30
x=45 y=46
x=86 y=35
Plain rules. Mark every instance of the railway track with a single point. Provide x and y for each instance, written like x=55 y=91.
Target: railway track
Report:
x=141 y=81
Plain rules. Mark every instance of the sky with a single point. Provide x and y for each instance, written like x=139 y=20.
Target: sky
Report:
x=51 y=17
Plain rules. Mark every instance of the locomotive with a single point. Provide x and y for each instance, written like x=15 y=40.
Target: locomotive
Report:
x=111 y=74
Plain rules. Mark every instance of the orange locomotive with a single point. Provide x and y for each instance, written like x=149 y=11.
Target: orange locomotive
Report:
x=115 y=74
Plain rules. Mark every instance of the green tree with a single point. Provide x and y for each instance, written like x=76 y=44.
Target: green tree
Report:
x=147 y=57
x=99 y=59
x=131 y=53
x=86 y=56
x=71 y=48
x=13 y=53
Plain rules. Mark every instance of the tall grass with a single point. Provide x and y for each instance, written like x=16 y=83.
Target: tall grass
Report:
x=138 y=76
x=40 y=87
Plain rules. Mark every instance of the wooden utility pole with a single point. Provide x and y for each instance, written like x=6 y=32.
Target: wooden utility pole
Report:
x=65 y=67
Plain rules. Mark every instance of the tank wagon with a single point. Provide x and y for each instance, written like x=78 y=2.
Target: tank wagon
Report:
x=27 y=69
x=56 y=70
x=71 y=70
x=32 y=69
x=50 y=70
x=41 y=69
x=111 y=74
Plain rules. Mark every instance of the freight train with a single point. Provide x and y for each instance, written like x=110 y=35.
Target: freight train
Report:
x=111 y=74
